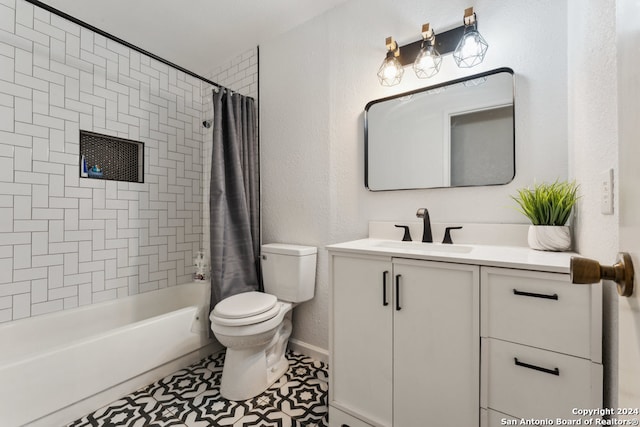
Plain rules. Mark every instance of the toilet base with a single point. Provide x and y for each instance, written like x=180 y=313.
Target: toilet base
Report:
x=248 y=372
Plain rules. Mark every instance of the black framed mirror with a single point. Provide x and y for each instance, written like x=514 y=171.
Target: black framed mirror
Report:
x=455 y=134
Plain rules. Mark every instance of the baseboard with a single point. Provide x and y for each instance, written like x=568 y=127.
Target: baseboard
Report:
x=309 y=350
x=86 y=406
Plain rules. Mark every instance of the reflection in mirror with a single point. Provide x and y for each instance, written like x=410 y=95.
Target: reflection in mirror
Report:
x=458 y=133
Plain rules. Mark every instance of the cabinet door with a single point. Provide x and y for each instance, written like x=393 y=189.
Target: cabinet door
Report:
x=436 y=344
x=361 y=362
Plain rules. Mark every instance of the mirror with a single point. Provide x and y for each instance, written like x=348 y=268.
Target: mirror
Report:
x=458 y=133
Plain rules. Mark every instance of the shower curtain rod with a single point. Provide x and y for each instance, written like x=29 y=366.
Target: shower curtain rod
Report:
x=122 y=42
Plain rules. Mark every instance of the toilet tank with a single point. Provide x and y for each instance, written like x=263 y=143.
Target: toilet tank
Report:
x=289 y=271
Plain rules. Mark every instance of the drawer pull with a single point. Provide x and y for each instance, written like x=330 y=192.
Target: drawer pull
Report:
x=555 y=371
x=532 y=294
x=384 y=288
x=398 y=276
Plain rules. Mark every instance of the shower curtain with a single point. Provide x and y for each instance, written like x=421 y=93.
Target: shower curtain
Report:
x=234 y=197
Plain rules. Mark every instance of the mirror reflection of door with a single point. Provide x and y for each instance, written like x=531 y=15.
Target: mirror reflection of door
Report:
x=481 y=146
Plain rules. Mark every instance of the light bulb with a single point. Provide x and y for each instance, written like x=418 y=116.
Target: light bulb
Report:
x=427 y=63
x=390 y=72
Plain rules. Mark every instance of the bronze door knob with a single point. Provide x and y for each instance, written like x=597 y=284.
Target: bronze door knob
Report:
x=587 y=271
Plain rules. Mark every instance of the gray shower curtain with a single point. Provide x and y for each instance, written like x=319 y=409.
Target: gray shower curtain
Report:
x=235 y=197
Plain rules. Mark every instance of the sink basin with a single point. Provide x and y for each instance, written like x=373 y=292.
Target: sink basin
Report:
x=422 y=247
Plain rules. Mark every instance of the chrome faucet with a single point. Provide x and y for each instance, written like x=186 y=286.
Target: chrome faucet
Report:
x=426 y=227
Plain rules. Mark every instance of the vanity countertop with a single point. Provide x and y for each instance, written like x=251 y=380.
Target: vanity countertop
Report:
x=485 y=255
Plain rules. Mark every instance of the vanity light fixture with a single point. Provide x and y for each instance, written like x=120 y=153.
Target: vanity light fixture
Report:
x=428 y=60
x=472 y=46
x=465 y=42
x=391 y=71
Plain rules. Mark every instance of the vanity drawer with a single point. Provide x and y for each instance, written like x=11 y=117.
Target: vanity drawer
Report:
x=527 y=382
x=539 y=309
x=491 y=418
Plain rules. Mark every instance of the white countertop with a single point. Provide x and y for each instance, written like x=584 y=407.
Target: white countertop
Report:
x=486 y=255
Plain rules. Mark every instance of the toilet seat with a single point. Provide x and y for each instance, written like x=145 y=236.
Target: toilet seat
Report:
x=245 y=309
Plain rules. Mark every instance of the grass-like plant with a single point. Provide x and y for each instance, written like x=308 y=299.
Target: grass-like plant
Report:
x=548 y=204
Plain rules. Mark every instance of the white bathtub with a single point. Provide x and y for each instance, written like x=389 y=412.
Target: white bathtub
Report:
x=58 y=367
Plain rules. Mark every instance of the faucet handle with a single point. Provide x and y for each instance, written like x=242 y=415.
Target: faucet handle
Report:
x=447 y=234
x=407 y=234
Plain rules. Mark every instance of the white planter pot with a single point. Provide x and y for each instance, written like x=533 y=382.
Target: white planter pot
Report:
x=550 y=237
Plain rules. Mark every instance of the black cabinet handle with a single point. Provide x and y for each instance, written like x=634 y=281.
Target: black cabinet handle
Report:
x=555 y=371
x=398 y=276
x=384 y=288
x=534 y=295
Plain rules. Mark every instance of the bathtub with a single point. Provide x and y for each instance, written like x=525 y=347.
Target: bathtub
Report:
x=58 y=367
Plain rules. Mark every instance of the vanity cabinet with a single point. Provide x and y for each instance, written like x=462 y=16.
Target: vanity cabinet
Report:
x=404 y=342
x=468 y=339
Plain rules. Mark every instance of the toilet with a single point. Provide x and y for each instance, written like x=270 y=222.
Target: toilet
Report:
x=255 y=326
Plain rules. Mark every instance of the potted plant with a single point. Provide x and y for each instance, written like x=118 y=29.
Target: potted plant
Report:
x=549 y=207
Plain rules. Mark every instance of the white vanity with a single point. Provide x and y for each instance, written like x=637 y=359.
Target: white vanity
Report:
x=459 y=335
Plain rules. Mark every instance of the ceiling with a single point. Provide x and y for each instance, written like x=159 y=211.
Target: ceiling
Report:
x=195 y=34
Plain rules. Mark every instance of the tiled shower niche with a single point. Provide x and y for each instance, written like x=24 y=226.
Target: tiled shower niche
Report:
x=119 y=159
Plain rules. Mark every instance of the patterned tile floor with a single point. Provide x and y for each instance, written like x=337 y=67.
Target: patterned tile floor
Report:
x=191 y=398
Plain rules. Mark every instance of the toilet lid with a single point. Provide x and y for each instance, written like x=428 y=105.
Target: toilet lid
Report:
x=244 y=305
x=245 y=321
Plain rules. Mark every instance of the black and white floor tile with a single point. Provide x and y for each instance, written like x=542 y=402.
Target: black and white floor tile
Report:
x=191 y=397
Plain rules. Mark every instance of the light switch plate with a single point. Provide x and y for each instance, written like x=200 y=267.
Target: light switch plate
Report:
x=606 y=192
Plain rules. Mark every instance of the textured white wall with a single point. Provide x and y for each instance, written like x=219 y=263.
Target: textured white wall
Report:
x=314 y=83
x=298 y=180
x=66 y=241
x=593 y=136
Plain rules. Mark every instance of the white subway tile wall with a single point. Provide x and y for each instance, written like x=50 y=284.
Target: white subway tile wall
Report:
x=67 y=241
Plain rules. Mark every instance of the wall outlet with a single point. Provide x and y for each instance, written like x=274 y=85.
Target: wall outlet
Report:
x=606 y=192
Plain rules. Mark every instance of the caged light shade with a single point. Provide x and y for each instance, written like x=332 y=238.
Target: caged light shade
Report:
x=472 y=47
x=428 y=61
x=391 y=70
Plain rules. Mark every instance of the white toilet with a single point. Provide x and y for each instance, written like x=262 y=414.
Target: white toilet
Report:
x=255 y=326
